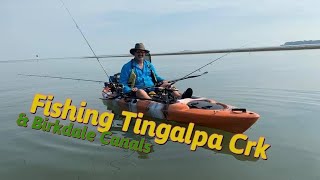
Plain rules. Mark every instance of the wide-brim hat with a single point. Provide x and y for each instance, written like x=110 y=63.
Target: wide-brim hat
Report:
x=138 y=46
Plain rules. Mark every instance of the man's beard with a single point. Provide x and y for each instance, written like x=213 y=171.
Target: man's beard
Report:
x=140 y=58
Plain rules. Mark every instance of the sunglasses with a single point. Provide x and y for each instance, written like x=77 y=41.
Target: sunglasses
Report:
x=140 y=52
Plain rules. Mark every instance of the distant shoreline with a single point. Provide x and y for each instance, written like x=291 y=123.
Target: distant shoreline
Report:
x=308 y=42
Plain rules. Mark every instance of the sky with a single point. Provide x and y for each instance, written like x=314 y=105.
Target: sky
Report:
x=44 y=28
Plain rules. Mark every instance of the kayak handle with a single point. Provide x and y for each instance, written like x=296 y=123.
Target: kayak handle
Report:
x=239 y=109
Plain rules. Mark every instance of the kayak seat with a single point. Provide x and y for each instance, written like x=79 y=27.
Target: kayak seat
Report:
x=115 y=78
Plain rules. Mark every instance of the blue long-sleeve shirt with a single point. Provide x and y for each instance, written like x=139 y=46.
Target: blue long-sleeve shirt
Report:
x=144 y=76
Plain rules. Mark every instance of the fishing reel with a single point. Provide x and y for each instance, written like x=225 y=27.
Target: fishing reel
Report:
x=116 y=88
x=165 y=94
x=119 y=88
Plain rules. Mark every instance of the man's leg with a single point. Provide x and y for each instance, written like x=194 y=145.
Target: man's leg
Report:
x=176 y=94
x=142 y=94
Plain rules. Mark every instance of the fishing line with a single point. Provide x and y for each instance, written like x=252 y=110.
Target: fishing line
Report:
x=42 y=59
x=58 y=77
x=84 y=37
x=210 y=63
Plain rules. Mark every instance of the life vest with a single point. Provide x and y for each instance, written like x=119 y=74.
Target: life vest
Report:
x=133 y=76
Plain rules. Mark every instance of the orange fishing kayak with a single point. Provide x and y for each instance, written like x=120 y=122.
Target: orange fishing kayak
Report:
x=200 y=111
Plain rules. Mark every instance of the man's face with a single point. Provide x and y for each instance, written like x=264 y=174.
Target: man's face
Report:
x=139 y=55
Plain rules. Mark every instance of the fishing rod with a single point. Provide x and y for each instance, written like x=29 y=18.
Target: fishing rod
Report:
x=188 y=77
x=175 y=80
x=207 y=64
x=84 y=37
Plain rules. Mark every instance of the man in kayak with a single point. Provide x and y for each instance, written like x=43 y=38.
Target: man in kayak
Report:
x=138 y=74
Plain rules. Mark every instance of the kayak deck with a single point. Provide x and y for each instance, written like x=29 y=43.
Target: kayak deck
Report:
x=200 y=111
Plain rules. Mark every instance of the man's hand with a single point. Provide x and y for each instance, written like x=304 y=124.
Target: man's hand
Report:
x=165 y=84
x=134 y=89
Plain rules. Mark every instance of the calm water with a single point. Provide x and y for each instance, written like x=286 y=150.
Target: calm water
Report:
x=283 y=87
